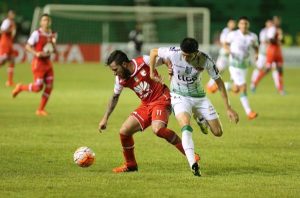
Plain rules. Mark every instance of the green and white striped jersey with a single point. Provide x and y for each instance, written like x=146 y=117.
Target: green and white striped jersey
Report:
x=186 y=79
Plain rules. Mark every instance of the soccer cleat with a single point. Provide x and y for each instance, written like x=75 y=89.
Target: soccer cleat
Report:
x=252 y=115
x=9 y=84
x=212 y=89
x=41 y=113
x=124 y=168
x=196 y=170
x=16 y=90
x=202 y=123
x=197 y=157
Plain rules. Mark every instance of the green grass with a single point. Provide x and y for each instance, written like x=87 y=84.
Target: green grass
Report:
x=259 y=158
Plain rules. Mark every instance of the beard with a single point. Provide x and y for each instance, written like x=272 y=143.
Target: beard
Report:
x=126 y=73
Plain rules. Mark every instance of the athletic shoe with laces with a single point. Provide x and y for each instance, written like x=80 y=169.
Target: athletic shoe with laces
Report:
x=202 y=123
x=196 y=170
x=124 y=168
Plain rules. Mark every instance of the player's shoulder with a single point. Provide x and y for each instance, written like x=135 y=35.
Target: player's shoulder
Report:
x=253 y=35
x=172 y=49
x=208 y=59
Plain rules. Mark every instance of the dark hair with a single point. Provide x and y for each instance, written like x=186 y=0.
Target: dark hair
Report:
x=45 y=15
x=118 y=56
x=189 y=45
x=244 y=18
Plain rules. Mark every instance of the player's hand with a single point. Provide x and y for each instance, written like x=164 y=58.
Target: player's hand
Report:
x=157 y=78
x=102 y=125
x=233 y=116
x=41 y=54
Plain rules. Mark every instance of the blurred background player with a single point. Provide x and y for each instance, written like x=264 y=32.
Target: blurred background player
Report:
x=223 y=57
x=274 y=56
x=41 y=44
x=153 y=111
x=239 y=44
x=8 y=33
x=188 y=95
x=135 y=43
x=261 y=61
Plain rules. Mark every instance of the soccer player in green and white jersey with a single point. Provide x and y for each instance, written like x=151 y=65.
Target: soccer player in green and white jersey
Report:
x=223 y=57
x=239 y=44
x=187 y=94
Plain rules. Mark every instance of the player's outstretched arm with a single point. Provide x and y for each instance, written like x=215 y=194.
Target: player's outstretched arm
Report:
x=110 y=108
x=153 y=55
x=232 y=114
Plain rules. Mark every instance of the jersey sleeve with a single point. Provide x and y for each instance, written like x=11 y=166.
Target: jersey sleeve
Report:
x=223 y=35
x=165 y=52
x=159 y=61
x=118 y=87
x=211 y=68
x=34 y=38
x=229 y=37
x=5 y=25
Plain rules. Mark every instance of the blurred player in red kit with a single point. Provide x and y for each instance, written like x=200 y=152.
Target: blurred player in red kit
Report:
x=41 y=44
x=274 y=56
x=8 y=32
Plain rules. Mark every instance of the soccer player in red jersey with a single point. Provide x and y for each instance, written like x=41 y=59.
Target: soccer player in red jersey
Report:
x=8 y=32
x=274 y=56
x=41 y=44
x=153 y=111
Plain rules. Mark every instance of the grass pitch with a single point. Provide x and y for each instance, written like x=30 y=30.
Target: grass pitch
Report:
x=259 y=158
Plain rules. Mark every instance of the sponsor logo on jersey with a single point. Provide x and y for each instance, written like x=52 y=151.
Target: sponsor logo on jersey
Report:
x=188 y=70
x=143 y=73
x=188 y=79
x=142 y=89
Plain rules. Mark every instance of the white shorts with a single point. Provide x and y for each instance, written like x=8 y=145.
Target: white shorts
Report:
x=261 y=61
x=222 y=62
x=238 y=75
x=198 y=106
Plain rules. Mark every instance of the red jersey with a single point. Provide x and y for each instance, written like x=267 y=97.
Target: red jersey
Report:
x=39 y=39
x=140 y=82
x=8 y=31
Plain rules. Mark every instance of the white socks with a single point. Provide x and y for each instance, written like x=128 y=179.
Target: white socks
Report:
x=245 y=103
x=188 y=145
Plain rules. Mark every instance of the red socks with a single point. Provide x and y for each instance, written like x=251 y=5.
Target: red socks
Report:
x=171 y=137
x=128 y=150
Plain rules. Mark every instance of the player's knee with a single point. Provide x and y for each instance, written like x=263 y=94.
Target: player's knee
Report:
x=156 y=126
x=124 y=130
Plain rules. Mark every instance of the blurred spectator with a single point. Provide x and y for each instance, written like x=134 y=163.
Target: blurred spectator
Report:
x=136 y=40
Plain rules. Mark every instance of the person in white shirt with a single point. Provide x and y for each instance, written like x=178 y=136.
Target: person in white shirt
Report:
x=238 y=45
x=261 y=61
x=223 y=57
x=188 y=97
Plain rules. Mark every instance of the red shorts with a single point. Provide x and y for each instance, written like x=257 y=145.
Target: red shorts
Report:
x=158 y=111
x=42 y=71
x=274 y=55
x=6 y=49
